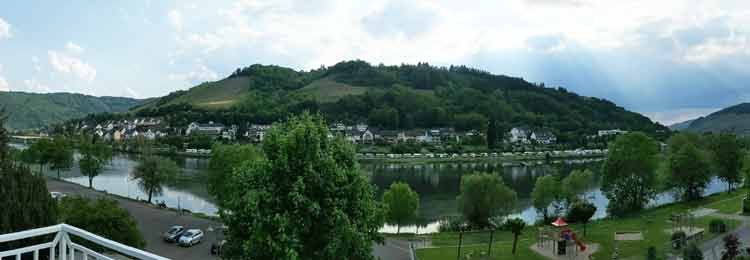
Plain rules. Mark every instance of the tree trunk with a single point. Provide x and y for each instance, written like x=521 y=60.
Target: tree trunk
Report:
x=91 y=180
x=584 y=228
x=58 y=173
x=149 y=196
x=398 y=229
x=515 y=242
x=41 y=169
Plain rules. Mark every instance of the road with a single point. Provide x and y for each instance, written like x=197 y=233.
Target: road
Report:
x=713 y=248
x=154 y=221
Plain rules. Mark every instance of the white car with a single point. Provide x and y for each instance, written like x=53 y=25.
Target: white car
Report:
x=191 y=237
x=57 y=195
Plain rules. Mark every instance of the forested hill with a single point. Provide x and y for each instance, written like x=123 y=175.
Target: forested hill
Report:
x=395 y=97
x=32 y=110
x=735 y=119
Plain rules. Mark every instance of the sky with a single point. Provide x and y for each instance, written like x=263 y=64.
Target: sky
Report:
x=671 y=60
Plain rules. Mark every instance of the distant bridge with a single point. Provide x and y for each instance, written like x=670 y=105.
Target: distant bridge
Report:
x=26 y=139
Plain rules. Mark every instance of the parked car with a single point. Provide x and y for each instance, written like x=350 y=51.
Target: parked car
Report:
x=191 y=237
x=174 y=233
x=57 y=195
x=216 y=247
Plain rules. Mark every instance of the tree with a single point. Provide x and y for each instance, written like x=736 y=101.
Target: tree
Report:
x=546 y=191
x=224 y=160
x=24 y=197
x=651 y=253
x=731 y=247
x=60 y=155
x=581 y=211
x=304 y=199
x=39 y=153
x=103 y=217
x=492 y=135
x=152 y=173
x=727 y=157
x=484 y=196
x=576 y=184
x=94 y=156
x=401 y=203
x=628 y=178
x=515 y=226
x=689 y=172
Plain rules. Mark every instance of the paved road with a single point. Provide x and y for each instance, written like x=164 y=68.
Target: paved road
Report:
x=713 y=248
x=154 y=221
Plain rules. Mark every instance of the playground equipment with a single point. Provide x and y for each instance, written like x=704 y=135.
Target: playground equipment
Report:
x=566 y=234
x=562 y=240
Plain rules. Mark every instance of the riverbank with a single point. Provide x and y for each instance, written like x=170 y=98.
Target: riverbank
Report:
x=651 y=223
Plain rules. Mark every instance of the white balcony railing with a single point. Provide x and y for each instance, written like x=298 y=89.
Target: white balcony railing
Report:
x=63 y=248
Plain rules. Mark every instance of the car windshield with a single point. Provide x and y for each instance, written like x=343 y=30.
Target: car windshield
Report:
x=174 y=230
x=188 y=234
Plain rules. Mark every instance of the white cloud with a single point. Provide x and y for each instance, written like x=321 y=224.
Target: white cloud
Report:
x=4 y=84
x=4 y=29
x=201 y=74
x=73 y=48
x=35 y=86
x=175 y=19
x=67 y=64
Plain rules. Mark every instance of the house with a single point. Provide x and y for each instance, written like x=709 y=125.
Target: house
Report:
x=256 y=132
x=211 y=128
x=229 y=134
x=544 y=137
x=601 y=133
x=519 y=135
x=117 y=135
x=149 y=135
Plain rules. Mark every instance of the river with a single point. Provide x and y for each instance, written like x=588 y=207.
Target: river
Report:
x=437 y=185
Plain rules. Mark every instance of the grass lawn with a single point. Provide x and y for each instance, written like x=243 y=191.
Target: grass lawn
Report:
x=652 y=223
x=730 y=205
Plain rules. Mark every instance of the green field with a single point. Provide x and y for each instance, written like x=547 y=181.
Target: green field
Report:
x=652 y=223
x=327 y=90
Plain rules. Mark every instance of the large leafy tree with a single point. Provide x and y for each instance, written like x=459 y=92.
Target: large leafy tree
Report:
x=60 y=154
x=581 y=211
x=728 y=158
x=152 y=173
x=401 y=203
x=94 y=156
x=224 y=159
x=546 y=191
x=689 y=171
x=24 y=197
x=305 y=199
x=628 y=178
x=484 y=196
x=576 y=183
x=38 y=153
x=103 y=217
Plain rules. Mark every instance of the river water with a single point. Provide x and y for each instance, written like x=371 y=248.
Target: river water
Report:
x=437 y=185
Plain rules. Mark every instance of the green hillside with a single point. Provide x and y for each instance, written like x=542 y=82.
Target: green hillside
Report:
x=735 y=119
x=395 y=97
x=31 y=110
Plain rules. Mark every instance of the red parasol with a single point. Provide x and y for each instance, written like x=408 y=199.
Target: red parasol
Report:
x=560 y=222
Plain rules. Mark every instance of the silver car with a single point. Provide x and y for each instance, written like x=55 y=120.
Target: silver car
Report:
x=173 y=234
x=191 y=237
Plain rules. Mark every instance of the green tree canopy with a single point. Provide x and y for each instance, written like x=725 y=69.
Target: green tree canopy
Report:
x=628 y=178
x=305 y=199
x=581 y=211
x=484 y=196
x=152 y=173
x=728 y=158
x=224 y=159
x=576 y=183
x=689 y=171
x=60 y=154
x=94 y=156
x=546 y=191
x=103 y=217
x=401 y=203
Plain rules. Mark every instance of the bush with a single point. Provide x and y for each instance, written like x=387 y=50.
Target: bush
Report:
x=717 y=226
x=678 y=239
x=692 y=252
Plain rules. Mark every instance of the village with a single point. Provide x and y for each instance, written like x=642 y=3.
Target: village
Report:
x=523 y=140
